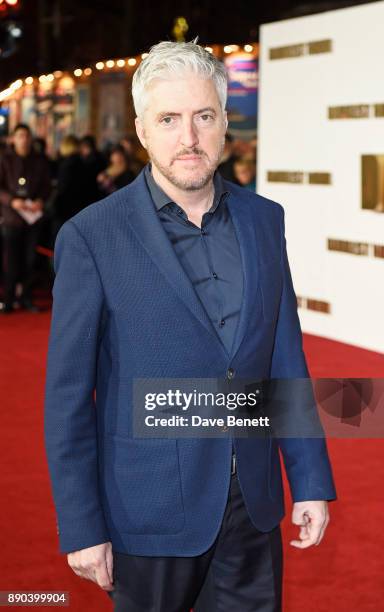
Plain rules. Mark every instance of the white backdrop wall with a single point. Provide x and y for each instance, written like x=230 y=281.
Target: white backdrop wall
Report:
x=296 y=135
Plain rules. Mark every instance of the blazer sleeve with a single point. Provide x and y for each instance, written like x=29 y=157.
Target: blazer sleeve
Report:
x=69 y=406
x=305 y=459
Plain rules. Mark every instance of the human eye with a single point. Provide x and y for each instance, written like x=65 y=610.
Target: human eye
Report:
x=167 y=120
x=206 y=118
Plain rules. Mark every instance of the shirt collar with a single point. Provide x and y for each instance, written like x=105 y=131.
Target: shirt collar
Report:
x=161 y=199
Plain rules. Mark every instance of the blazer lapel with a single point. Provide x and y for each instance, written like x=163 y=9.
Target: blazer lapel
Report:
x=245 y=228
x=149 y=230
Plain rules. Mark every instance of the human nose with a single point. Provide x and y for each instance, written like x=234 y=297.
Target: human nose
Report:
x=188 y=137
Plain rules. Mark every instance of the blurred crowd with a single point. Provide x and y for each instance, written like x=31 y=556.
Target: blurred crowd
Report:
x=38 y=193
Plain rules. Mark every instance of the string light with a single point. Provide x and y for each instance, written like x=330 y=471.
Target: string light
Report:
x=16 y=84
x=101 y=65
x=5 y=94
x=231 y=48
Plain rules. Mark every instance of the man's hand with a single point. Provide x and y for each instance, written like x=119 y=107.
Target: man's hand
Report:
x=94 y=563
x=313 y=518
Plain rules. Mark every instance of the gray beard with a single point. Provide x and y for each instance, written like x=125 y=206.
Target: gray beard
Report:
x=186 y=185
x=193 y=184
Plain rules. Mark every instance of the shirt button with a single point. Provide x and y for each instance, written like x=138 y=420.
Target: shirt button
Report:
x=203 y=232
x=214 y=274
x=230 y=373
x=222 y=323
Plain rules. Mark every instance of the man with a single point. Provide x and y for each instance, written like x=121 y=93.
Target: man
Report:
x=93 y=163
x=227 y=160
x=24 y=185
x=245 y=172
x=178 y=275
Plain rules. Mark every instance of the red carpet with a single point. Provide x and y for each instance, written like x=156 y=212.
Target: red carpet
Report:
x=343 y=574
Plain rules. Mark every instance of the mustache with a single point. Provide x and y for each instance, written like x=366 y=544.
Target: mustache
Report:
x=192 y=151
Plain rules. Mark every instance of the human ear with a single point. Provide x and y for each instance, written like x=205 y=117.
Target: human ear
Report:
x=140 y=131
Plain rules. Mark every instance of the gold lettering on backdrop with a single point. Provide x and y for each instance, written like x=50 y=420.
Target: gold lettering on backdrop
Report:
x=372 y=183
x=318 y=305
x=345 y=246
x=356 y=248
x=312 y=178
x=320 y=46
x=299 y=50
x=284 y=52
x=285 y=177
x=378 y=250
x=313 y=304
x=319 y=178
x=358 y=111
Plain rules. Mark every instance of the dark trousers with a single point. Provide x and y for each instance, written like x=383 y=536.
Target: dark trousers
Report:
x=242 y=572
x=19 y=259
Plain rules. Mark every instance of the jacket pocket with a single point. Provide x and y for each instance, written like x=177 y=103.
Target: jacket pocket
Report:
x=142 y=485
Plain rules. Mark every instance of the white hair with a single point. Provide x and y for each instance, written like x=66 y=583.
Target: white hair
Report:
x=170 y=59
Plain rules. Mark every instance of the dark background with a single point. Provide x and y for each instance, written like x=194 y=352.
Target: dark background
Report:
x=65 y=34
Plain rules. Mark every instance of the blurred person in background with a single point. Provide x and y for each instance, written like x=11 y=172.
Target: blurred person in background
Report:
x=94 y=162
x=228 y=159
x=3 y=146
x=117 y=174
x=39 y=145
x=71 y=188
x=245 y=173
x=134 y=153
x=24 y=187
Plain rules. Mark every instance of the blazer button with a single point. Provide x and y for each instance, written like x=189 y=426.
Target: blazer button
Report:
x=230 y=373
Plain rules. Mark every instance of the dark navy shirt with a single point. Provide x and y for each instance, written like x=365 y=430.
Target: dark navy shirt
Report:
x=210 y=255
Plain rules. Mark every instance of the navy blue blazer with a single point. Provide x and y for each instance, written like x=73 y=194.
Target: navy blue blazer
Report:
x=123 y=308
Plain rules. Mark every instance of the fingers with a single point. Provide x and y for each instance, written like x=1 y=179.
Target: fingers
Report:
x=95 y=563
x=95 y=571
x=109 y=562
x=309 y=537
x=312 y=526
x=102 y=576
x=323 y=528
